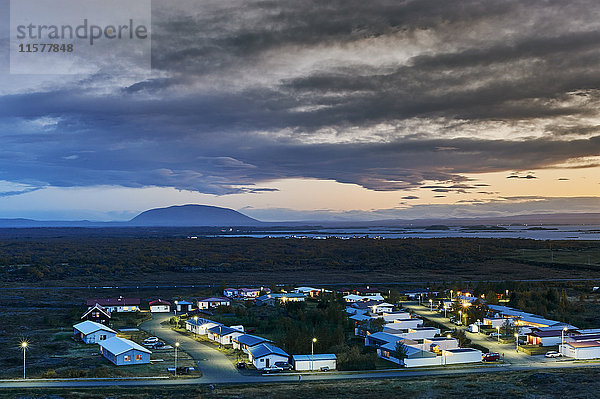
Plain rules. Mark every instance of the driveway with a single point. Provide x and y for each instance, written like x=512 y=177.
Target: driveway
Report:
x=214 y=365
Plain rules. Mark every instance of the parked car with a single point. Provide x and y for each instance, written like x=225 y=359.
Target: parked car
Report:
x=157 y=345
x=325 y=368
x=457 y=322
x=284 y=365
x=241 y=365
x=553 y=354
x=150 y=341
x=494 y=335
x=272 y=369
x=490 y=357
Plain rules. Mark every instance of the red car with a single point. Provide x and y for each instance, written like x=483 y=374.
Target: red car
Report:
x=490 y=357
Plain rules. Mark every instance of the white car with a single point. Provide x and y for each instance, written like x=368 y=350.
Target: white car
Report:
x=150 y=340
x=553 y=354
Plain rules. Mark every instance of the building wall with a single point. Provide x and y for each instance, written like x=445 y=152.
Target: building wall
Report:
x=134 y=356
x=462 y=357
x=580 y=353
x=423 y=361
x=262 y=362
x=123 y=308
x=94 y=337
x=304 y=365
x=160 y=308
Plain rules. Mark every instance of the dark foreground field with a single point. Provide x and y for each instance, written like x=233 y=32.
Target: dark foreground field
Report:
x=583 y=383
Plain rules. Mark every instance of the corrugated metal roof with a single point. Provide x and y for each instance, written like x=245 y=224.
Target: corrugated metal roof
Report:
x=250 y=340
x=265 y=350
x=88 y=327
x=116 y=345
x=320 y=356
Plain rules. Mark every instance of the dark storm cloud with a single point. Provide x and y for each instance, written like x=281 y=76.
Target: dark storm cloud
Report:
x=227 y=108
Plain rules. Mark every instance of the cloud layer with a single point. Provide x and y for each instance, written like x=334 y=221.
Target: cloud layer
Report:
x=389 y=95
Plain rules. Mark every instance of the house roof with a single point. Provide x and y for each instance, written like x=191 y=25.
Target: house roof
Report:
x=266 y=350
x=183 y=303
x=99 y=308
x=113 y=301
x=546 y=333
x=584 y=344
x=587 y=337
x=116 y=346
x=223 y=330
x=365 y=304
x=385 y=337
x=214 y=299
x=200 y=321
x=411 y=351
x=320 y=356
x=88 y=327
x=250 y=340
x=360 y=317
x=461 y=350
x=160 y=302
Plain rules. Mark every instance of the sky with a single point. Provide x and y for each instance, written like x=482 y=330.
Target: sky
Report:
x=304 y=110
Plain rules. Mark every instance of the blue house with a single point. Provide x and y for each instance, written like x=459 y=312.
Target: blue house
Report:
x=123 y=352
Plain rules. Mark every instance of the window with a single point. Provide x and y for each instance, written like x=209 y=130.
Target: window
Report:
x=127 y=358
x=102 y=337
x=126 y=308
x=138 y=357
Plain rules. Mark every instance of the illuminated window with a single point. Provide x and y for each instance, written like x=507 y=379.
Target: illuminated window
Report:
x=127 y=358
x=138 y=357
x=126 y=308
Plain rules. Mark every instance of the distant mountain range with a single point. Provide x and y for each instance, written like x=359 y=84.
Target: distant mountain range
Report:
x=212 y=216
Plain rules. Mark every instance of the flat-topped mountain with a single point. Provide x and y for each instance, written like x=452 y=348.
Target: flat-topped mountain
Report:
x=192 y=215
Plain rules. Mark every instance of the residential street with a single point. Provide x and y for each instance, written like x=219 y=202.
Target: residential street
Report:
x=213 y=364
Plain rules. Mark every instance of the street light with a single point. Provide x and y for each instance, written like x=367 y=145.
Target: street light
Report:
x=451 y=295
x=175 y=308
x=176 y=346
x=498 y=328
x=24 y=345
x=312 y=357
x=196 y=326
x=430 y=305
x=517 y=340
x=460 y=316
x=562 y=335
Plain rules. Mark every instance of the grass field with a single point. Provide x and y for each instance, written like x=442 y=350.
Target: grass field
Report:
x=582 y=383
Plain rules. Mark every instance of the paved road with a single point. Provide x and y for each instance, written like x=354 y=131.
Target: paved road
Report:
x=213 y=364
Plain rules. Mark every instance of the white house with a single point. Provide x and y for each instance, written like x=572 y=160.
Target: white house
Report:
x=119 y=304
x=160 y=306
x=265 y=355
x=391 y=316
x=404 y=323
x=382 y=307
x=91 y=332
x=200 y=326
x=98 y=314
x=581 y=349
x=314 y=362
x=184 y=306
x=309 y=291
x=414 y=357
x=357 y=298
x=494 y=321
x=414 y=333
x=245 y=293
x=213 y=302
x=224 y=335
x=245 y=342
x=123 y=352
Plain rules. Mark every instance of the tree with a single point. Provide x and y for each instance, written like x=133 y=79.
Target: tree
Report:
x=401 y=351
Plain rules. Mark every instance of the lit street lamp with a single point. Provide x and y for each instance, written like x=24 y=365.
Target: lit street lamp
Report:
x=451 y=295
x=176 y=346
x=498 y=328
x=517 y=340
x=196 y=326
x=562 y=335
x=460 y=316
x=430 y=305
x=24 y=347
x=312 y=357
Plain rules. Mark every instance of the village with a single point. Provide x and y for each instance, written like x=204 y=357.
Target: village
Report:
x=425 y=328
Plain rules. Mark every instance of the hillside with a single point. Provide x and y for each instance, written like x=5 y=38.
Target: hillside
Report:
x=192 y=215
